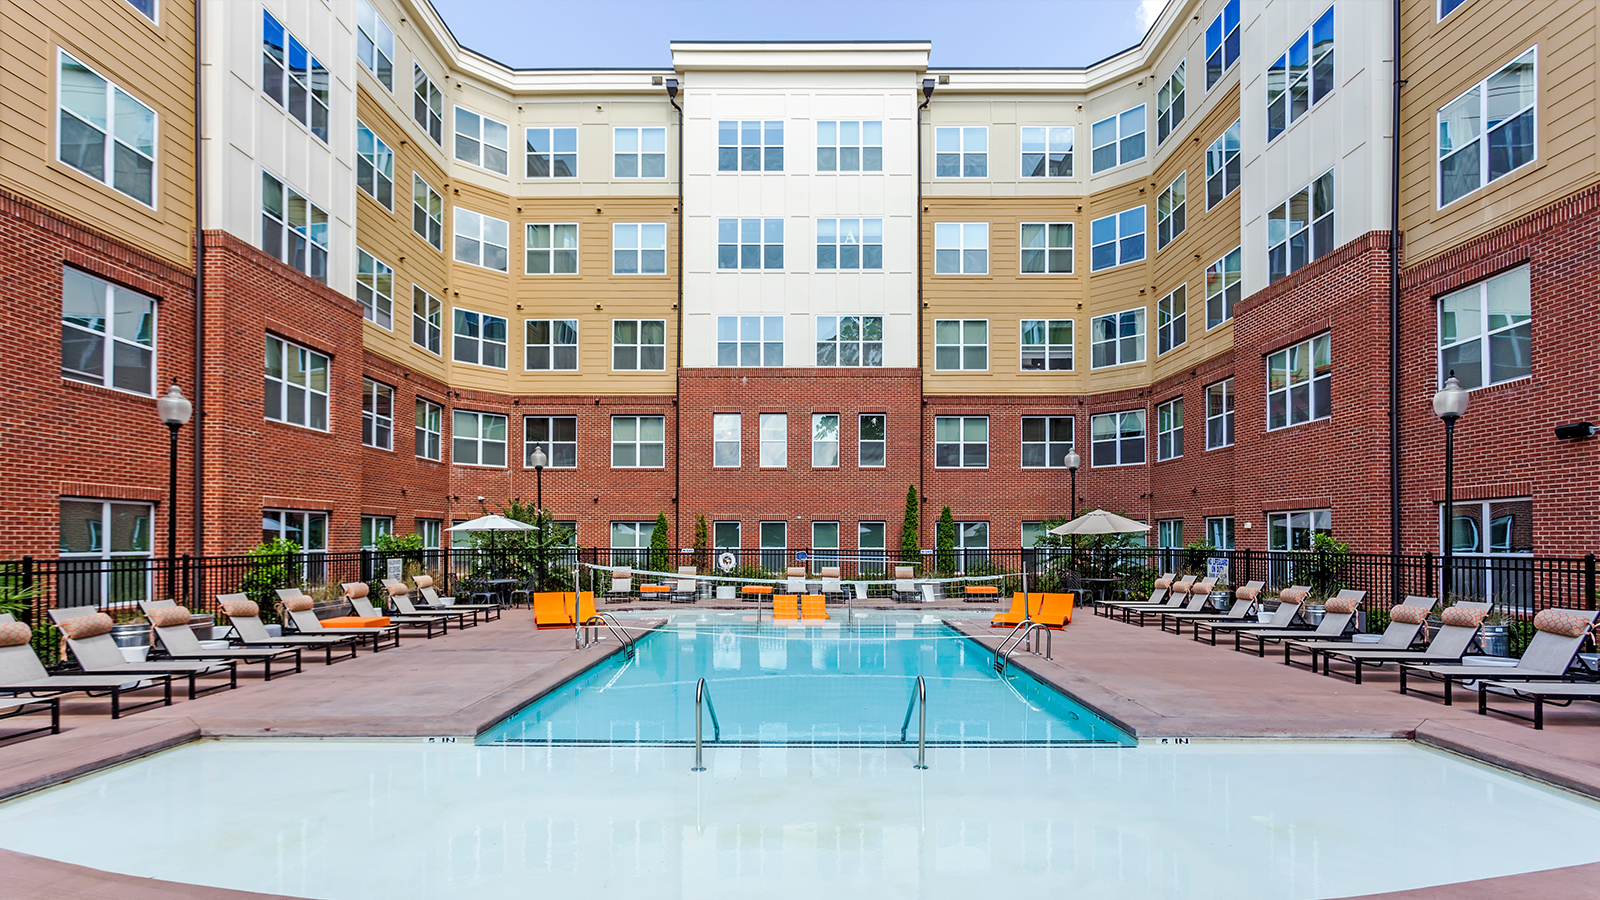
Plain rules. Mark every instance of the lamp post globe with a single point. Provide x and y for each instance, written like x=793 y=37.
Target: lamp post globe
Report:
x=174 y=411
x=1073 y=461
x=1449 y=404
x=539 y=461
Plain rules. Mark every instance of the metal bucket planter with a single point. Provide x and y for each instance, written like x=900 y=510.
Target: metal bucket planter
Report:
x=1496 y=640
x=134 y=639
x=202 y=626
x=1313 y=613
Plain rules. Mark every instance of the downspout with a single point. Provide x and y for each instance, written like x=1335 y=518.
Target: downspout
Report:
x=199 y=302
x=1394 y=306
x=922 y=416
x=677 y=391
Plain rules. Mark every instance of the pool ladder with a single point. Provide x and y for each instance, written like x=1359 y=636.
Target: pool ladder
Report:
x=589 y=632
x=702 y=699
x=701 y=695
x=919 y=701
x=1019 y=636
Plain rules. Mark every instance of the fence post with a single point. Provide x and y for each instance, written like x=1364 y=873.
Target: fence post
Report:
x=366 y=564
x=1588 y=581
x=185 y=584
x=1427 y=574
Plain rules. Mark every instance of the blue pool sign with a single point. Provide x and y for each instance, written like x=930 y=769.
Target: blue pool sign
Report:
x=800 y=556
x=1217 y=567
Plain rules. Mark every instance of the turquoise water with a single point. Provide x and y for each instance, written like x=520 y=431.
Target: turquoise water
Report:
x=780 y=685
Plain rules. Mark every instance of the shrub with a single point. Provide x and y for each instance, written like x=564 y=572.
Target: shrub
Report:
x=272 y=564
x=660 y=549
x=911 y=529
x=945 y=546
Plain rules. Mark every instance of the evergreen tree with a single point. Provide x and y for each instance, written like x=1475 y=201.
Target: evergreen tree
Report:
x=660 y=557
x=702 y=556
x=946 y=546
x=911 y=530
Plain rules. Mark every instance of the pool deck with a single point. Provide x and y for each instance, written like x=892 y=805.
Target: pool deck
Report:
x=1158 y=686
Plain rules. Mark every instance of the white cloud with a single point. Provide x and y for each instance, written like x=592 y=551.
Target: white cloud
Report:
x=1147 y=12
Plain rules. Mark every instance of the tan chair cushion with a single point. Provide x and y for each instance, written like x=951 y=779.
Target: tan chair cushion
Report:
x=1465 y=616
x=796 y=571
x=1248 y=592
x=423 y=581
x=1409 y=615
x=1201 y=587
x=15 y=634
x=1560 y=621
x=1341 y=606
x=1292 y=595
x=244 y=609
x=86 y=626
x=297 y=604
x=1182 y=587
x=830 y=571
x=168 y=616
x=903 y=572
x=356 y=589
x=1163 y=583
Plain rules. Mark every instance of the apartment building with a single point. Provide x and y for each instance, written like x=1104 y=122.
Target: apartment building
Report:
x=777 y=283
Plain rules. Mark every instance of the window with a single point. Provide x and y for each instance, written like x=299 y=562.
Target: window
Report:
x=296 y=385
x=1170 y=207
x=774 y=440
x=427 y=104
x=105 y=133
x=1169 y=429
x=374 y=166
x=726 y=440
x=1483 y=527
x=105 y=552
x=850 y=146
x=638 y=442
x=1222 y=166
x=1046 y=345
x=374 y=289
x=638 y=249
x=972 y=544
x=557 y=436
x=1223 y=288
x=1046 y=248
x=293 y=229
x=1169 y=105
x=1219 y=532
x=1301 y=77
x=477 y=439
x=1036 y=534
x=1503 y=106
x=774 y=545
x=638 y=345
x=427 y=212
x=293 y=78
x=872 y=545
x=850 y=244
x=1047 y=152
x=1117 y=439
x=1293 y=530
x=825 y=440
x=1299 y=383
x=1222 y=43
x=824 y=545
x=377 y=415
x=1486 y=330
x=750 y=341
x=873 y=441
x=482 y=141
x=146 y=7
x=961 y=248
x=552 y=249
x=749 y=147
x=1219 y=414
x=639 y=152
x=725 y=536
x=1118 y=139
x=375 y=44
x=550 y=344
x=1446 y=7
x=307 y=530
x=1117 y=239
x=961 y=152
x=480 y=339
x=427 y=319
x=1300 y=230
x=961 y=442
x=849 y=340
x=430 y=422
x=1172 y=320
x=633 y=536
x=749 y=243
x=374 y=527
x=1045 y=441
x=431 y=531
x=552 y=152
x=482 y=240
x=108 y=333
x=961 y=344
x=1169 y=534
x=1116 y=339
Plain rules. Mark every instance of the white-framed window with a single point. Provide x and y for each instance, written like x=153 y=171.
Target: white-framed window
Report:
x=1224 y=287
x=1116 y=339
x=108 y=333
x=105 y=132
x=377 y=414
x=961 y=442
x=1035 y=532
x=308 y=530
x=477 y=439
x=1502 y=527
x=1222 y=165
x=633 y=536
x=825 y=440
x=750 y=341
x=850 y=146
x=824 y=545
x=726 y=536
x=750 y=244
x=961 y=344
x=429 y=428
x=638 y=345
x=1294 y=530
x=557 y=436
x=1171 y=206
x=1117 y=239
x=1117 y=139
x=1219 y=532
x=727 y=440
x=1172 y=320
x=872 y=544
x=375 y=289
x=850 y=244
x=961 y=248
x=552 y=249
x=296 y=385
x=972 y=544
x=1117 y=439
x=639 y=152
x=146 y=7
x=749 y=146
x=427 y=320
x=550 y=345
x=1046 y=248
x=1486 y=330
x=1446 y=7
x=427 y=212
x=638 y=249
x=1301 y=77
x=482 y=141
x=1489 y=131
x=375 y=44
x=374 y=527
x=293 y=78
x=1046 y=345
x=482 y=240
x=1300 y=230
x=1219 y=414
x=427 y=104
x=774 y=440
x=849 y=341
x=1169 y=535
x=872 y=440
x=551 y=152
x=1047 y=151
x=432 y=533
x=1299 y=383
x=1169 y=105
x=1046 y=441
x=961 y=152
x=293 y=229
x=1169 y=429
x=774 y=545
x=479 y=339
x=1222 y=43
x=104 y=548
x=374 y=166
x=638 y=442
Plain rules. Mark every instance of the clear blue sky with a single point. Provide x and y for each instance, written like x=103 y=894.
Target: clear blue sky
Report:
x=635 y=33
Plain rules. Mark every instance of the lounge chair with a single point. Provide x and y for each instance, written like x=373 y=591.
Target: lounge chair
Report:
x=1557 y=636
x=831 y=582
x=432 y=601
x=22 y=706
x=785 y=607
x=1405 y=621
x=1457 y=630
x=1289 y=605
x=814 y=607
x=1561 y=693
x=250 y=632
x=904 y=588
x=1337 y=614
x=1015 y=615
x=621 y=589
x=1244 y=603
x=1168 y=594
x=299 y=608
x=1055 y=609
x=686 y=589
x=21 y=672
x=556 y=609
x=794 y=580
x=88 y=634
x=355 y=592
x=400 y=596
x=755 y=592
x=171 y=625
x=1196 y=596
x=1159 y=594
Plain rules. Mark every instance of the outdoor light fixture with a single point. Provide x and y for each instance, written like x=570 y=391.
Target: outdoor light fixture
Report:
x=1073 y=461
x=538 y=460
x=1449 y=404
x=174 y=411
x=1574 y=431
x=927 y=90
x=672 y=88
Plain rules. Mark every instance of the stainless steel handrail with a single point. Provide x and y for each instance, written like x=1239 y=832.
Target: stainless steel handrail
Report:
x=592 y=625
x=1019 y=636
x=703 y=695
x=919 y=699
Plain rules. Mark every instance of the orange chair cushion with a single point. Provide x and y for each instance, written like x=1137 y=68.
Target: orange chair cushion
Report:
x=982 y=589
x=356 y=622
x=756 y=589
x=654 y=589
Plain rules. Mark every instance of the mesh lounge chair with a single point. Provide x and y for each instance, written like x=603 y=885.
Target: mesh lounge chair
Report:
x=21 y=672
x=904 y=589
x=299 y=608
x=89 y=637
x=22 y=706
x=794 y=580
x=1404 y=624
x=171 y=625
x=1561 y=693
x=1289 y=600
x=249 y=632
x=1336 y=617
x=430 y=601
x=408 y=610
x=1557 y=636
x=1160 y=593
x=1169 y=594
x=686 y=590
x=621 y=585
x=1457 y=630
x=356 y=593
x=1244 y=602
x=832 y=585
x=1196 y=595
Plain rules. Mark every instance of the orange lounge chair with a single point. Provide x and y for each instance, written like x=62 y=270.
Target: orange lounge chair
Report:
x=554 y=609
x=755 y=591
x=814 y=607
x=655 y=591
x=985 y=592
x=1013 y=616
x=1055 y=610
x=786 y=608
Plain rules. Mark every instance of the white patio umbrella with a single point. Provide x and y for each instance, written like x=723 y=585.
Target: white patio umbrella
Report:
x=492 y=522
x=1100 y=522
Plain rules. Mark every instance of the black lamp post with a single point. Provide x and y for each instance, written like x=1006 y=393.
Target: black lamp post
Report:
x=1449 y=404
x=174 y=410
x=1073 y=461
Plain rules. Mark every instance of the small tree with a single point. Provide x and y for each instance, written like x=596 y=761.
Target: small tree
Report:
x=702 y=555
x=272 y=564
x=659 y=547
x=945 y=548
x=911 y=529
